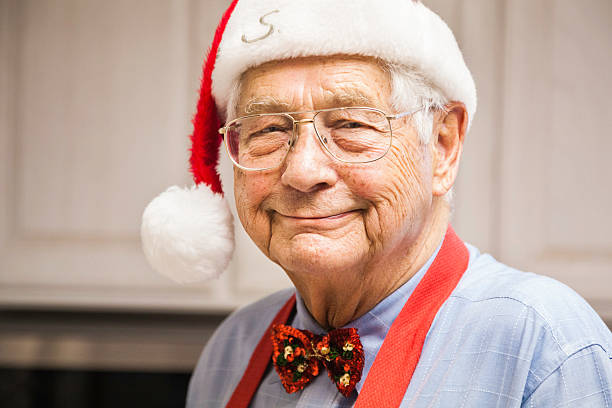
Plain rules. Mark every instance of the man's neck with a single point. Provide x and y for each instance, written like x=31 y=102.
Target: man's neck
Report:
x=336 y=303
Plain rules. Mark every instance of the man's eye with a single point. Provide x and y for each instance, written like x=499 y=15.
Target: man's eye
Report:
x=352 y=125
x=272 y=129
x=267 y=131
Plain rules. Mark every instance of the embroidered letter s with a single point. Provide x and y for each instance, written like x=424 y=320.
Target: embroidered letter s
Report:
x=262 y=22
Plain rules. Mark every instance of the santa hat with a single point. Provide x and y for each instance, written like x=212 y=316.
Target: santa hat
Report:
x=187 y=233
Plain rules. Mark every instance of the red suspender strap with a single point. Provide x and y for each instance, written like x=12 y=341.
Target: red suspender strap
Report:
x=390 y=375
x=261 y=357
x=400 y=352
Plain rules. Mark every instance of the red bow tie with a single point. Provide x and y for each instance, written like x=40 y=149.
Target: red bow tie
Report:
x=299 y=354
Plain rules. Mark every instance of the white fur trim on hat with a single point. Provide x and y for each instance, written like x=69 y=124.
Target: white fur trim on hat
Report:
x=188 y=234
x=398 y=31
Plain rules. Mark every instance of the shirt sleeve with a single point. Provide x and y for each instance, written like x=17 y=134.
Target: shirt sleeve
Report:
x=584 y=379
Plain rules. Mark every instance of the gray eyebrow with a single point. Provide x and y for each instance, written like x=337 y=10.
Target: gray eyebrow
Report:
x=265 y=104
x=349 y=97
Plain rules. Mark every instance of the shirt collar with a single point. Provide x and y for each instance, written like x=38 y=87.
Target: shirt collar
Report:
x=374 y=325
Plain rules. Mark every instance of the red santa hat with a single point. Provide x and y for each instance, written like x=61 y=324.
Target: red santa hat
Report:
x=187 y=234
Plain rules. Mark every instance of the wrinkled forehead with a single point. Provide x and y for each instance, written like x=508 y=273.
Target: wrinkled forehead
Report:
x=309 y=83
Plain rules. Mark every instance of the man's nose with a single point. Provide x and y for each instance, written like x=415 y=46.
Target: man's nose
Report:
x=308 y=167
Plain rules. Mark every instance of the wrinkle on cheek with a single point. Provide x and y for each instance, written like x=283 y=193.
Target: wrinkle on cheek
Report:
x=406 y=186
x=361 y=179
x=250 y=192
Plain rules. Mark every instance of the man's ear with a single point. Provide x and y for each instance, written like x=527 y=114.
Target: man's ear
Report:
x=448 y=145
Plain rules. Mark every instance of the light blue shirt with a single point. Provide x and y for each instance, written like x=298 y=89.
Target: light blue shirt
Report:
x=504 y=338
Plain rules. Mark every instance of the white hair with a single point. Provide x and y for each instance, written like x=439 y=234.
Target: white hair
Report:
x=232 y=103
x=411 y=90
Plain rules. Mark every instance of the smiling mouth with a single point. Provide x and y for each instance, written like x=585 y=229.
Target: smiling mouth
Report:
x=320 y=217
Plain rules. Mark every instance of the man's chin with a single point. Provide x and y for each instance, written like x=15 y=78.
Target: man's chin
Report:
x=316 y=254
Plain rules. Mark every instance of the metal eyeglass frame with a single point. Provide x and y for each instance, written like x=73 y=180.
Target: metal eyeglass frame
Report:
x=296 y=122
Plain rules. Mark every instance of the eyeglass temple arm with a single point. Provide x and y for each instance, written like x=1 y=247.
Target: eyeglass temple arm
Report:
x=404 y=114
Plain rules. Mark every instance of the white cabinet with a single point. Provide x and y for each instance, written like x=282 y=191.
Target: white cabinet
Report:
x=95 y=114
x=96 y=106
x=555 y=175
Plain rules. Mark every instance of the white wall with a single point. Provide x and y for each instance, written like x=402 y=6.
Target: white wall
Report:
x=95 y=110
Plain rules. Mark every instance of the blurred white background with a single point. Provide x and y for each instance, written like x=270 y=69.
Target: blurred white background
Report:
x=95 y=110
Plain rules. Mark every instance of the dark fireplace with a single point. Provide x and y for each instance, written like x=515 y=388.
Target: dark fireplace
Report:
x=95 y=359
x=20 y=388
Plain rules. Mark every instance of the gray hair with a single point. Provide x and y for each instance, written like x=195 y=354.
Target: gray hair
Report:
x=411 y=90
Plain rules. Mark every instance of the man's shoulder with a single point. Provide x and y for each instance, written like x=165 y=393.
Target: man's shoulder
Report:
x=496 y=288
x=486 y=279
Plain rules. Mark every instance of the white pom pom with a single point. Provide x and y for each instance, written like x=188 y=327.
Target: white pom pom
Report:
x=188 y=234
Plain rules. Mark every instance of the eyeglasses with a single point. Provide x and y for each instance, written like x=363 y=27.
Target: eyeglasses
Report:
x=350 y=135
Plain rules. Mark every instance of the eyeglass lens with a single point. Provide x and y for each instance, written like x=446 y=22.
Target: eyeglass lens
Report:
x=353 y=135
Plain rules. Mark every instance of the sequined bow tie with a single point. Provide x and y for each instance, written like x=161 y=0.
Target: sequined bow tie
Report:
x=299 y=356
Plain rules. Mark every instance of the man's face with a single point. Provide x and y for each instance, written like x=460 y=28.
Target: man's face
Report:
x=315 y=215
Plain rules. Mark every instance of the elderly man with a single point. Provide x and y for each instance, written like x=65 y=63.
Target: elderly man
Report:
x=345 y=122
